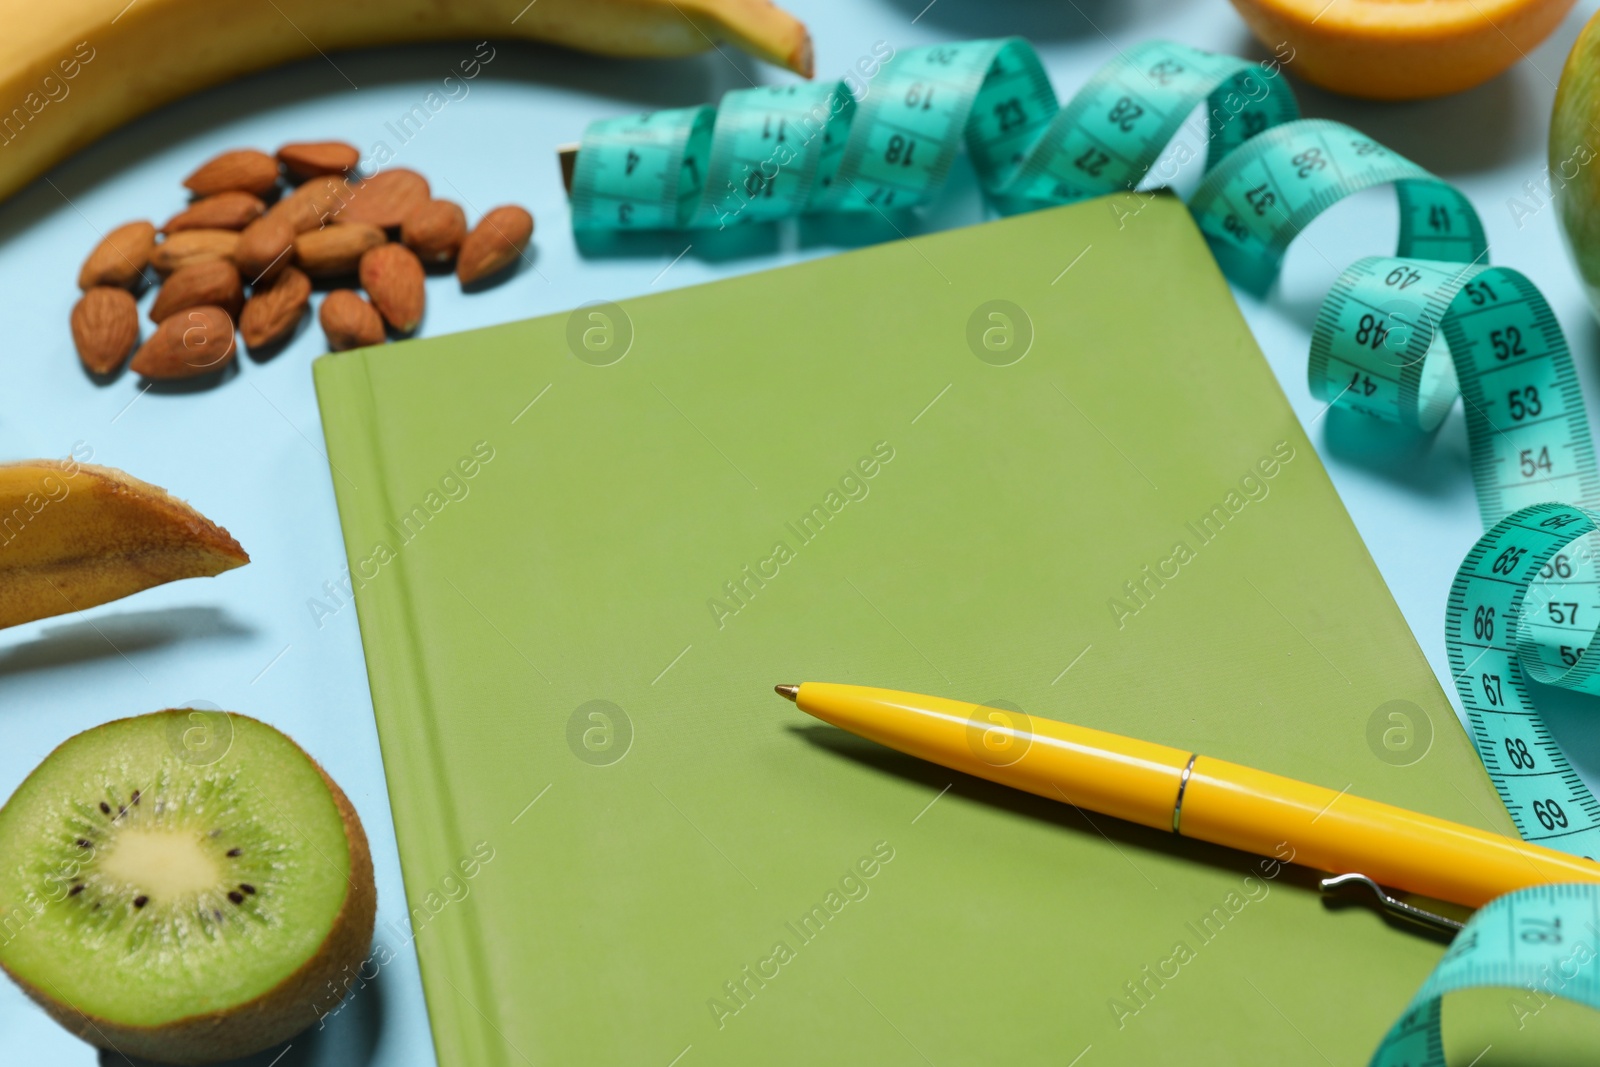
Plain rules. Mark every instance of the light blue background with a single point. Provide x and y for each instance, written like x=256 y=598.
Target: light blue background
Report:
x=249 y=453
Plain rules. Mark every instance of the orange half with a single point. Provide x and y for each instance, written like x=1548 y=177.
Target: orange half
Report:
x=1400 y=49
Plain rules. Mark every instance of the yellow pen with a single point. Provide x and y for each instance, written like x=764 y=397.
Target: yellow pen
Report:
x=1200 y=797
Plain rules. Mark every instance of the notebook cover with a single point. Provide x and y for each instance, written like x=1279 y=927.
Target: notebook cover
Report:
x=577 y=585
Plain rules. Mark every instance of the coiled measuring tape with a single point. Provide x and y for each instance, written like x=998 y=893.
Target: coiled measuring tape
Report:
x=773 y=152
x=1397 y=338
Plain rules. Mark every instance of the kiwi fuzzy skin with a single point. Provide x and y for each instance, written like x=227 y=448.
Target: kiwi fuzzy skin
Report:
x=274 y=1017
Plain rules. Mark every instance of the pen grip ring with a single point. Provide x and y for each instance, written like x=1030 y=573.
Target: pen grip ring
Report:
x=1183 y=784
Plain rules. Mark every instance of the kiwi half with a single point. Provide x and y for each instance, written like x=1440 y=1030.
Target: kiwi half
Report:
x=184 y=887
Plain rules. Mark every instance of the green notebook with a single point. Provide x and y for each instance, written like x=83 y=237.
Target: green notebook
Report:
x=1039 y=461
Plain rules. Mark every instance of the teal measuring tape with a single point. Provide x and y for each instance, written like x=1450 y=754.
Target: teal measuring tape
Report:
x=1376 y=349
x=1518 y=608
x=1542 y=939
x=1397 y=338
x=1252 y=205
x=774 y=152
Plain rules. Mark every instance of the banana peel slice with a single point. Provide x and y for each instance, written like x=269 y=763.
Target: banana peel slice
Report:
x=74 y=535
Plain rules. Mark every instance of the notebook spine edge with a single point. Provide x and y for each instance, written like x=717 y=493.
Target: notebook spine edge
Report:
x=401 y=698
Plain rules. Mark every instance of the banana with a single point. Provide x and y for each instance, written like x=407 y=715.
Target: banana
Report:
x=73 y=535
x=72 y=70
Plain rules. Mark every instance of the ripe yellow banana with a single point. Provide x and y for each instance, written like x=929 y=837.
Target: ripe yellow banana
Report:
x=74 y=535
x=71 y=70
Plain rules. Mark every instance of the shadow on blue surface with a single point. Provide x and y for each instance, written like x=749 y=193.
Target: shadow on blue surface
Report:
x=200 y=383
x=856 y=229
x=1039 y=20
x=348 y=1039
x=1428 y=132
x=74 y=643
x=1427 y=464
x=711 y=245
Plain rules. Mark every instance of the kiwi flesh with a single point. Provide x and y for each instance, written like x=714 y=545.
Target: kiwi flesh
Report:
x=186 y=887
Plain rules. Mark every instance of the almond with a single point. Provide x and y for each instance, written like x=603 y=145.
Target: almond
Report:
x=494 y=244
x=120 y=257
x=315 y=204
x=434 y=230
x=265 y=248
x=195 y=341
x=308 y=159
x=349 y=321
x=273 y=312
x=244 y=169
x=105 y=327
x=226 y=211
x=207 y=281
x=385 y=199
x=192 y=246
x=392 y=276
x=336 y=249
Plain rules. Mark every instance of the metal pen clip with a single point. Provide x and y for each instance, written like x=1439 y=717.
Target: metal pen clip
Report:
x=1391 y=903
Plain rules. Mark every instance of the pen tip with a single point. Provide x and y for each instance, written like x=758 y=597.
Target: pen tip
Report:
x=788 y=692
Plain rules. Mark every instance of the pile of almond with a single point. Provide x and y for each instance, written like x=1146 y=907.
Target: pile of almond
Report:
x=244 y=254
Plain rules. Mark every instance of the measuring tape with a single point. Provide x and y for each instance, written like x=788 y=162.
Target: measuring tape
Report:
x=1253 y=204
x=1543 y=940
x=1375 y=350
x=1397 y=338
x=1524 y=604
x=774 y=152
